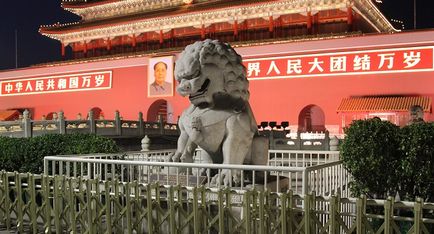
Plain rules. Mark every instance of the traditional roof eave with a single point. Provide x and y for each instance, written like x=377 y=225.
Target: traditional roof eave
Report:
x=113 y=8
x=372 y=14
x=82 y=4
x=172 y=50
x=196 y=19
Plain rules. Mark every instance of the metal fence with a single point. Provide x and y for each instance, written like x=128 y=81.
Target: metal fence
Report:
x=46 y=204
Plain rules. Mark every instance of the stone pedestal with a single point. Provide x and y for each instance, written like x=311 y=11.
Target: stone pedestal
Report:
x=334 y=144
x=146 y=142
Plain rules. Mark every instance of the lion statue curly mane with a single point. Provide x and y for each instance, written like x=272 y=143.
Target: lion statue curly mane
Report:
x=219 y=119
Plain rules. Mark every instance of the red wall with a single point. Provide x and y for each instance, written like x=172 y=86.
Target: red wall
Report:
x=271 y=100
x=128 y=93
x=285 y=98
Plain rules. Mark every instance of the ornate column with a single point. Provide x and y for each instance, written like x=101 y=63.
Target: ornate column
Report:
x=62 y=50
x=202 y=32
x=309 y=21
x=246 y=33
x=161 y=37
x=109 y=44
x=271 y=26
x=235 y=29
x=121 y=44
x=350 y=18
x=212 y=30
x=280 y=32
x=85 y=49
x=145 y=40
x=172 y=37
x=315 y=22
x=134 y=41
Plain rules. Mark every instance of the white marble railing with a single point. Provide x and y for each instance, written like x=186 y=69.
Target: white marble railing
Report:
x=319 y=172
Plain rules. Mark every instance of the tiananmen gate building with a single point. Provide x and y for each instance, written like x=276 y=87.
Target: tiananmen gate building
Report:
x=317 y=64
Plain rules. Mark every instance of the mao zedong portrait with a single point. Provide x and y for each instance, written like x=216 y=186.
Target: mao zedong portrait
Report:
x=160 y=86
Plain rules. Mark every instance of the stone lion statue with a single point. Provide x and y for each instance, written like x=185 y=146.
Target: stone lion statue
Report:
x=219 y=119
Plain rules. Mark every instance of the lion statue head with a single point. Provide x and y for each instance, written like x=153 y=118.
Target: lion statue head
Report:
x=212 y=75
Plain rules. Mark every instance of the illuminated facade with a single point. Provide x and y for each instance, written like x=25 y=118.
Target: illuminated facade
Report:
x=316 y=64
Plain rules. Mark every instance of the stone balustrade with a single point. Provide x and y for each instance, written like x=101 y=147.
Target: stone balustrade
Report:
x=116 y=127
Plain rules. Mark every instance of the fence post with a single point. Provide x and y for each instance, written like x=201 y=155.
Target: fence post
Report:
x=45 y=166
x=290 y=213
x=90 y=207
x=334 y=209
x=92 y=124
x=388 y=213
x=117 y=219
x=118 y=123
x=172 y=218
x=57 y=203
x=307 y=211
x=360 y=214
x=196 y=220
x=417 y=215
x=305 y=178
x=283 y=214
x=62 y=124
x=141 y=124
x=128 y=216
x=73 y=206
x=33 y=205
x=27 y=124
x=261 y=212
x=19 y=204
x=221 y=211
x=203 y=209
x=149 y=208
x=7 y=201
x=247 y=211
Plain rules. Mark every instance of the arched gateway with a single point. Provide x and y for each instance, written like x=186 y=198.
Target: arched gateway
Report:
x=311 y=119
x=157 y=108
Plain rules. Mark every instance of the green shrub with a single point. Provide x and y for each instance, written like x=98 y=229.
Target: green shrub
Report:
x=370 y=153
x=417 y=162
x=12 y=152
x=27 y=154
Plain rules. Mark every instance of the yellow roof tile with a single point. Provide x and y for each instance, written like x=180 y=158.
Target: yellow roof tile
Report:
x=369 y=104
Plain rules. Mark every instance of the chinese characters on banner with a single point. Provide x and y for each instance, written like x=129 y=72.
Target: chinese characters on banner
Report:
x=55 y=84
x=345 y=63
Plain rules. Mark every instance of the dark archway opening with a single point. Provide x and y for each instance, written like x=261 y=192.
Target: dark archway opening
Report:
x=97 y=113
x=158 y=108
x=311 y=119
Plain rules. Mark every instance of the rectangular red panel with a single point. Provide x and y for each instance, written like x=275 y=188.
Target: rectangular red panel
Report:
x=343 y=63
x=57 y=84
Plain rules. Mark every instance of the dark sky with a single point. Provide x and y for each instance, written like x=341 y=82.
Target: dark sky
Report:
x=26 y=16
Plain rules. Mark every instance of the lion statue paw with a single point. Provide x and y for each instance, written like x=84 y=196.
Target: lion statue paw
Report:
x=226 y=176
x=174 y=157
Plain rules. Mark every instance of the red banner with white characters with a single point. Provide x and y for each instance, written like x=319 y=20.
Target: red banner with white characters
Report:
x=343 y=63
x=56 y=84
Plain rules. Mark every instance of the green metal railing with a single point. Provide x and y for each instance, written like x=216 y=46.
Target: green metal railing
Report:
x=45 y=204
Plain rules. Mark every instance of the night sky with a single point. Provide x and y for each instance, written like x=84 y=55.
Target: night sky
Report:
x=25 y=16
